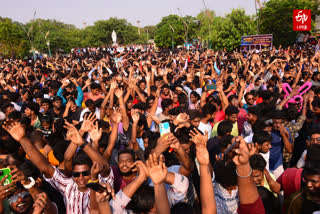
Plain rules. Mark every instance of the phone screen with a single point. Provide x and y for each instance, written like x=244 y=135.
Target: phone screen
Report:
x=164 y=128
x=3 y=173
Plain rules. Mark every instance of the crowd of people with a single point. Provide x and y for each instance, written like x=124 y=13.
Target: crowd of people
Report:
x=145 y=131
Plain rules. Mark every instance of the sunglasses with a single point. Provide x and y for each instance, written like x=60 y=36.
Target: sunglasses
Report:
x=77 y=174
x=15 y=198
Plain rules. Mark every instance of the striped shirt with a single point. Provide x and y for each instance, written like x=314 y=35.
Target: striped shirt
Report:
x=76 y=202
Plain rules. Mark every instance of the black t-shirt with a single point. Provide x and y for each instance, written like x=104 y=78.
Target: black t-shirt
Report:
x=213 y=149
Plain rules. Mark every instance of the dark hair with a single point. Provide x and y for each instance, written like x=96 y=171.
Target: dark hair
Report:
x=208 y=109
x=165 y=103
x=60 y=148
x=15 y=115
x=195 y=94
x=311 y=167
x=247 y=94
x=89 y=102
x=81 y=158
x=230 y=98
x=313 y=152
x=254 y=110
x=271 y=203
x=33 y=107
x=314 y=131
x=225 y=174
x=316 y=103
x=57 y=98
x=141 y=106
x=127 y=151
x=257 y=162
x=142 y=200
x=230 y=110
x=261 y=137
x=224 y=127
x=225 y=141
x=193 y=114
x=5 y=106
x=95 y=85
x=181 y=207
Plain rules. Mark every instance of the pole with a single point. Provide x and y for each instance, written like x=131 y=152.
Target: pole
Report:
x=255 y=4
x=172 y=42
x=48 y=43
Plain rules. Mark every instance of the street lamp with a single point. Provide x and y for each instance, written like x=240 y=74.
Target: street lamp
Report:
x=172 y=44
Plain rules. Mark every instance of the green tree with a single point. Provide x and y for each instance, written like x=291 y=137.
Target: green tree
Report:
x=12 y=39
x=228 y=32
x=276 y=18
x=207 y=19
x=163 y=34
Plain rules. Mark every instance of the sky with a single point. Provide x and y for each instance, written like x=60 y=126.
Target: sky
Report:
x=148 y=12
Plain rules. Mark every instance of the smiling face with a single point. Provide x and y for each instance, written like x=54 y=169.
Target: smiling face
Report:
x=125 y=161
x=84 y=178
x=21 y=201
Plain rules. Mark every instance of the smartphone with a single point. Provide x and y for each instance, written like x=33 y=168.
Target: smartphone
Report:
x=96 y=187
x=3 y=173
x=164 y=128
x=211 y=87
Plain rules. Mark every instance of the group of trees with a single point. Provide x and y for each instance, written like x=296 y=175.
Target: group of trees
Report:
x=274 y=17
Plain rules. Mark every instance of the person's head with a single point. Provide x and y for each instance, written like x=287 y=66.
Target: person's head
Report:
x=7 y=108
x=224 y=128
x=142 y=85
x=166 y=105
x=32 y=109
x=263 y=140
x=45 y=104
x=194 y=116
x=252 y=115
x=126 y=158
x=314 y=137
x=232 y=113
x=194 y=97
x=95 y=88
x=277 y=119
x=165 y=90
x=258 y=165
x=264 y=124
x=57 y=102
x=20 y=201
x=46 y=122
x=316 y=106
x=233 y=100
x=311 y=178
x=249 y=98
x=175 y=98
x=90 y=105
x=142 y=200
x=208 y=111
x=81 y=168
x=225 y=174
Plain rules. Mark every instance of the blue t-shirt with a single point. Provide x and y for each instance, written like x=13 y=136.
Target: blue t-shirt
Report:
x=276 y=151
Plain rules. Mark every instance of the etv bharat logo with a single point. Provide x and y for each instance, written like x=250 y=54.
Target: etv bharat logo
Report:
x=301 y=20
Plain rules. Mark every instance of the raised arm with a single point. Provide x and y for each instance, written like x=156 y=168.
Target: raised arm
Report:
x=17 y=131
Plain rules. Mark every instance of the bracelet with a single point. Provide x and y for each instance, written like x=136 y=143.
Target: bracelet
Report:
x=32 y=183
x=250 y=173
x=95 y=181
x=84 y=145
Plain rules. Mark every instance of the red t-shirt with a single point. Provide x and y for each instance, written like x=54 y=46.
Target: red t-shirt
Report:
x=255 y=208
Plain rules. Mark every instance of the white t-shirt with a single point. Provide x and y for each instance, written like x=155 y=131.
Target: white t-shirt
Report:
x=302 y=159
x=202 y=127
x=266 y=156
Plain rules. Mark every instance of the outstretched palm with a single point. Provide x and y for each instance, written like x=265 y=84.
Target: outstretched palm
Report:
x=95 y=133
x=73 y=134
x=16 y=130
x=157 y=169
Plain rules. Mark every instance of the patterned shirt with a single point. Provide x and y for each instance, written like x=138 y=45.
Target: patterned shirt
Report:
x=76 y=202
x=294 y=128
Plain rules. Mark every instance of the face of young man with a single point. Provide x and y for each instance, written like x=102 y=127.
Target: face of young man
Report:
x=124 y=163
x=232 y=117
x=313 y=185
x=81 y=176
x=21 y=201
x=265 y=147
x=257 y=176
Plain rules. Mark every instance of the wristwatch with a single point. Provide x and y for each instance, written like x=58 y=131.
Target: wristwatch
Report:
x=31 y=184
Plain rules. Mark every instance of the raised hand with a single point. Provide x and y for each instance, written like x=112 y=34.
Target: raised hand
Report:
x=40 y=203
x=15 y=129
x=105 y=196
x=95 y=133
x=96 y=169
x=87 y=124
x=136 y=118
x=73 y=134
x=157 y=169
x=118 y=93
x=18 y=176
x=141 y=168
x=243 y=153
x=113 y=85
x=116 y=116
x=6 y=190
x=198 y=138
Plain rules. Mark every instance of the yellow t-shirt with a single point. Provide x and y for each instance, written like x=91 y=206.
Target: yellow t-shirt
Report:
x=234 y=131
